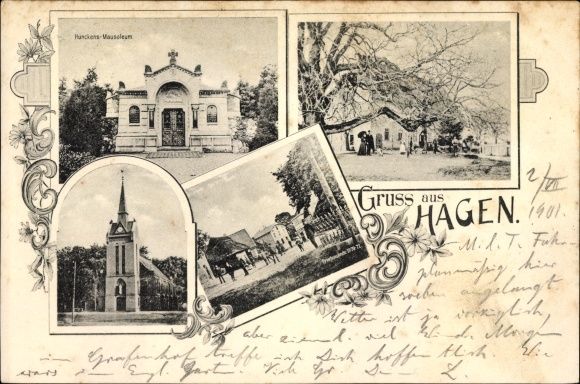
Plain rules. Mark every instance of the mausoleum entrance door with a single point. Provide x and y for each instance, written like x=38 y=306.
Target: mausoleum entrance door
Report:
x=173 y=128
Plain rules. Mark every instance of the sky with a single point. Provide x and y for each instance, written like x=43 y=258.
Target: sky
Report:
x=248 y=196
x=94 y=200
x=227 y=48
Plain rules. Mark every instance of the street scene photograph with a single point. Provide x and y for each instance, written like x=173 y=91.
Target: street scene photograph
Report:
x=411 y=101
x=187 y=93
x=121 y=257
x=272 y=225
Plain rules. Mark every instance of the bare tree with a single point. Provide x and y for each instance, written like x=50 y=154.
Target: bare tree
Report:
x=345 y=74
x=493 y=120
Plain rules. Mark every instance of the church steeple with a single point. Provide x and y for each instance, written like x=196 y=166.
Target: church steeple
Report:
x=122 y=214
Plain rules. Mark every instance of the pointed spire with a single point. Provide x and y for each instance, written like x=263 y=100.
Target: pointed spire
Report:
x=122 y=214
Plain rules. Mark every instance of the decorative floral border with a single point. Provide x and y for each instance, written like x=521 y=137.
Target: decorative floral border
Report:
x=205 y=320
x=36 y=144
x=392 y=240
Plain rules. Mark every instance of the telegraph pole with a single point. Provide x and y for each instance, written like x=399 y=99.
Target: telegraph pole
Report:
x=74 y=291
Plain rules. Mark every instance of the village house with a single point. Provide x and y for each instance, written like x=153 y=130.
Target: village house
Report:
x=174 y=110
x=132 y=282
x=297 y=222
x=227 y=250
x=275 y=235
x=387 y=129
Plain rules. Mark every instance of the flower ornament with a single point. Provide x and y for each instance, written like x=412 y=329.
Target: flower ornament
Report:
x=352 y=300
x=396 y=222
x=38 y=47
x=318 y=300
x=320 y=303
x=382 y=297
x=26 y=232
x=364 y=295
x=436 y=247
x=28 y=50
x=415 y=240
x=19 y=134
x=42 y=37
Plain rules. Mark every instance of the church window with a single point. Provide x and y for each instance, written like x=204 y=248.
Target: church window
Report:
x=212 y=114
x=400 y=136
x=134 y=115
x=123 y=259
x=116 y=259
x=387 y=135
x=194 y=119
x=120 y=288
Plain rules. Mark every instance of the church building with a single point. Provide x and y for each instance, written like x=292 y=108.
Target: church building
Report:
x=174 y=110
x=132 y=282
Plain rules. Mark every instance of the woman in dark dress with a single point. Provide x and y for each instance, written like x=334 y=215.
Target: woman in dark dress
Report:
x=362 y=149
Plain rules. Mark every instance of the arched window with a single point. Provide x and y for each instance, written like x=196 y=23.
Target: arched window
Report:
x=116 y=259
x=134 y=115
x=120 y=288
x=123 y=259
x=212 y=114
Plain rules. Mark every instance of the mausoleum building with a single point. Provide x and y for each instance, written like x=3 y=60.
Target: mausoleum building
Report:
x=173 y=110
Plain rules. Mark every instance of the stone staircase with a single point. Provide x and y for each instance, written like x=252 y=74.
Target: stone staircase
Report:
x=173 y=152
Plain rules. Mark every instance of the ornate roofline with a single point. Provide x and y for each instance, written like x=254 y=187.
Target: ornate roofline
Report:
x=196 y=74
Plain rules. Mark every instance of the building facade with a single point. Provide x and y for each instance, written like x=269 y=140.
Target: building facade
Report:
x=174 y=110
x=122 y=266
x=132 y=282
x=275 y=236
x=227 y=253
x=387 y=134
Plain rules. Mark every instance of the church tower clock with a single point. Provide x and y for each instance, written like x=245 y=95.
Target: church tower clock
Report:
x=122 y=275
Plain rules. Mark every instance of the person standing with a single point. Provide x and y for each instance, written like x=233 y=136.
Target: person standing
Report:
x=220 y=272
x=435 y=149
x=231 y=271
x=455 y=146
x=363 y=145
x=410 y=148
x=402 y=148
x=371 y=143
x=299 y=244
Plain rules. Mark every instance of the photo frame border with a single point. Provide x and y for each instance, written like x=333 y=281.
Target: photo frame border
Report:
x=279 y=14
x=190 y=238
x=514 y=183
x=294 y=296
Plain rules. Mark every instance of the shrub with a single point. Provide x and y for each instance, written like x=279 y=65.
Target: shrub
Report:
x=71 y=161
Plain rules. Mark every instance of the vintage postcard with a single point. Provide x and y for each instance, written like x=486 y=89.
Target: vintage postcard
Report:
x=289 y=192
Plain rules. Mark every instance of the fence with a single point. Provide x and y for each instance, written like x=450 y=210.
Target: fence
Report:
x=502 y=149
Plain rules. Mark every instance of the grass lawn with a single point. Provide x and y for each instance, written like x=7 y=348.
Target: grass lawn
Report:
x=123 y=318
x=421 y=167
x=305 y=270
x=479 y=169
